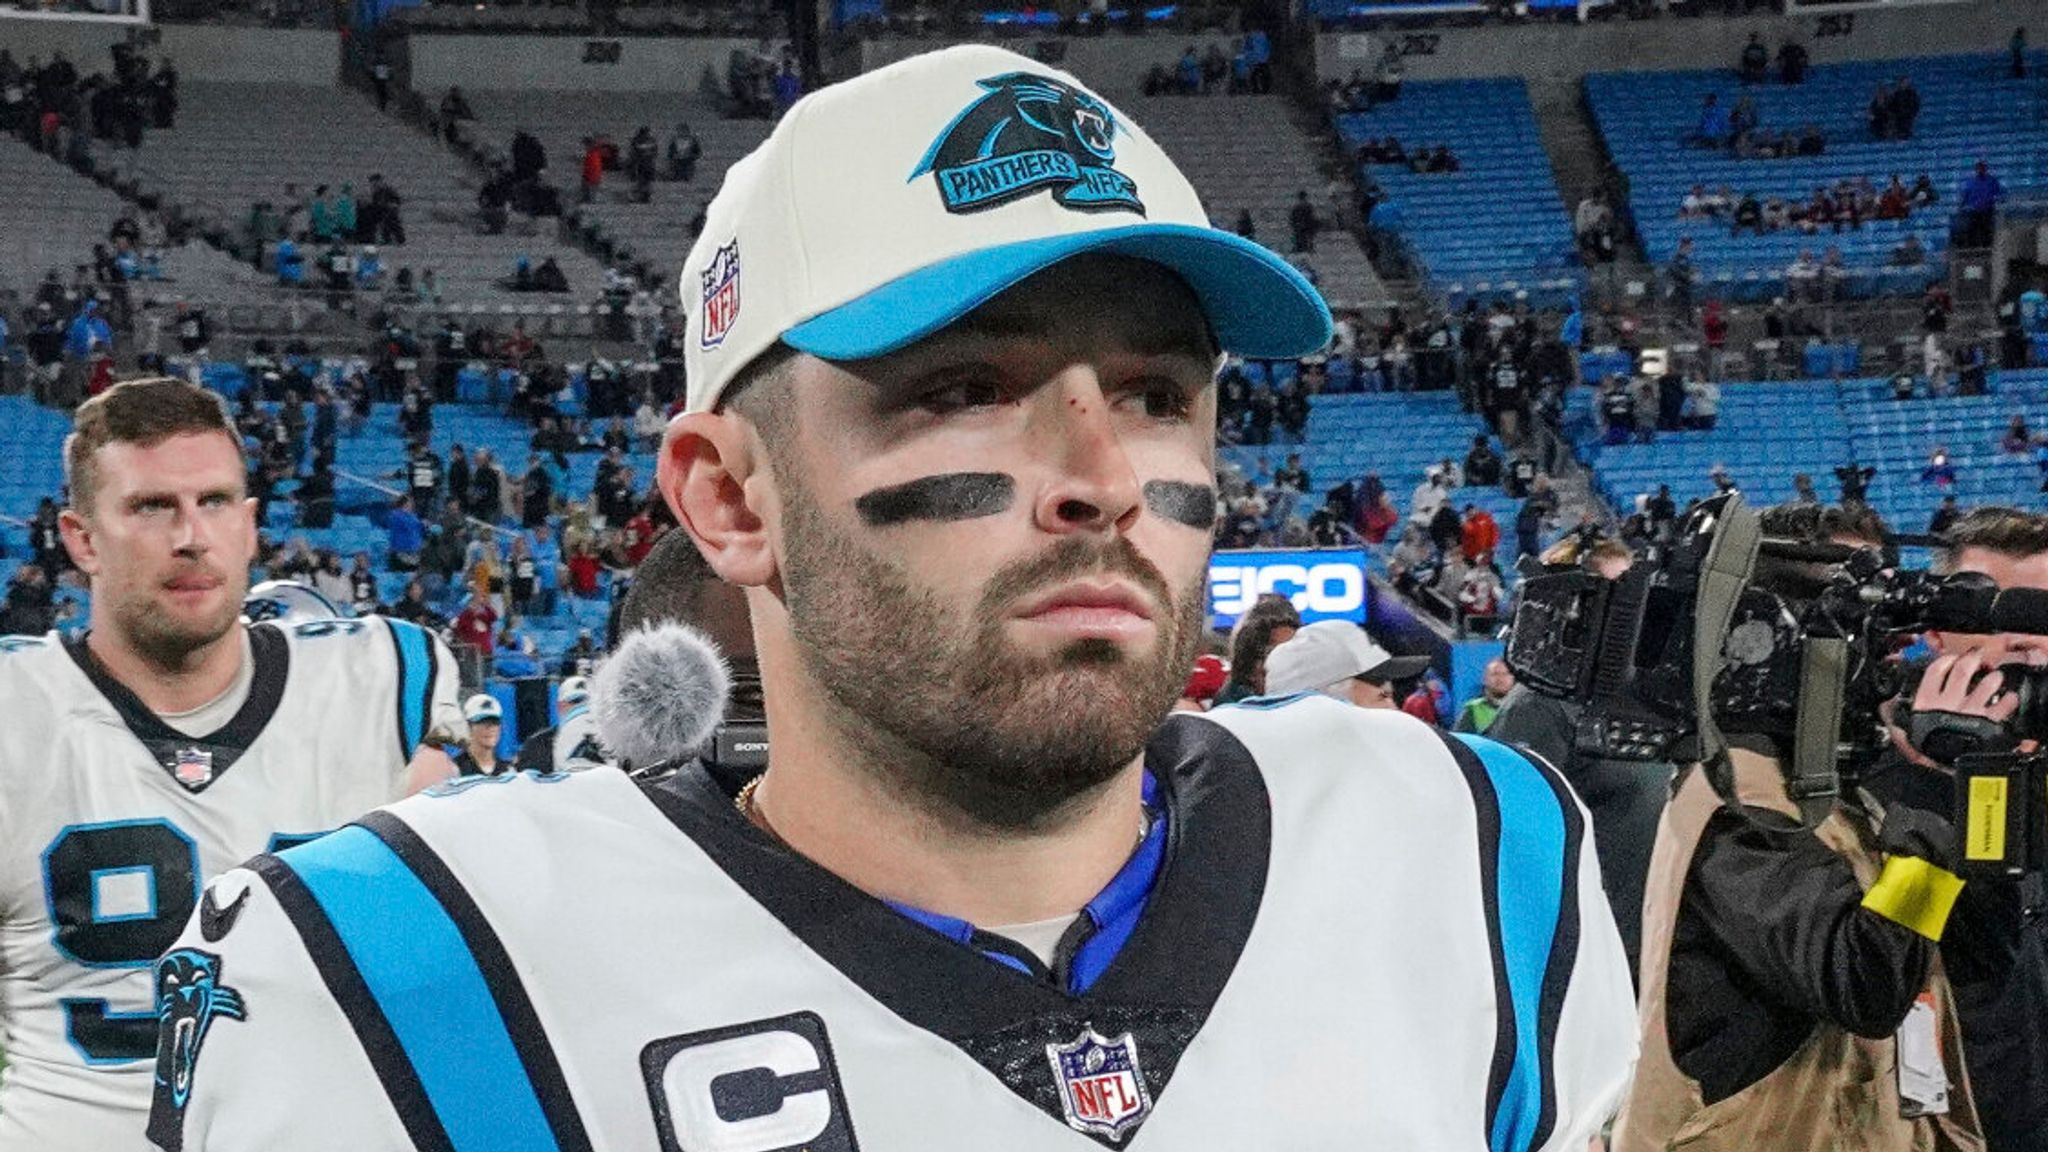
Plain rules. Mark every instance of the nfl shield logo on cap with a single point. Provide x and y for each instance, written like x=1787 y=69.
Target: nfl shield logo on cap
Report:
x=721 y=294
x=193 y=767
x=1101 y=1087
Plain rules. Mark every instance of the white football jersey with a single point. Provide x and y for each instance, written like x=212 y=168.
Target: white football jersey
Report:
x=576 y=744
x=110 y=821
x=1361 y=935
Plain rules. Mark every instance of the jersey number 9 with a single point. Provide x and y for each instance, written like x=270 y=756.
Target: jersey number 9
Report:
x=118 y=894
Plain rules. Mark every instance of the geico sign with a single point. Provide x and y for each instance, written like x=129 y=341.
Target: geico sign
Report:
x=1331 y=588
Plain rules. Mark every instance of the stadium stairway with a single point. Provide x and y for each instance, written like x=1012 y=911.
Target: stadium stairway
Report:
x=1972 y=109
x=1245 y=152
x=1495 y=228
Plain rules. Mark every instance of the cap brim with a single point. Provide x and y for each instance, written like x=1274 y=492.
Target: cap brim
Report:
x=1257 y=304
x=1396 y=668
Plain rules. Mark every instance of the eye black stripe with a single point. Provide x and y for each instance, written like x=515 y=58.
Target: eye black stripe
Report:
x=947 y=496
x=1191 y=504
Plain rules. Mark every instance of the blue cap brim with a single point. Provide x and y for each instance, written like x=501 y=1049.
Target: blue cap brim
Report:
x=1257 y=304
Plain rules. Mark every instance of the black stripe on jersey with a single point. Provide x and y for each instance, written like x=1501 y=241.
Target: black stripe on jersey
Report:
x=1564 y=946
x=522 y=1023
x=1486 y=809
x=270 y=657
x=380 y=1043
x=405 y=749
x=1161 y=987
x=427 y=684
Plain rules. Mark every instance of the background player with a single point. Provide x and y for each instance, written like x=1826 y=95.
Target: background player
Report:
x=981 y=897
x=170 y=743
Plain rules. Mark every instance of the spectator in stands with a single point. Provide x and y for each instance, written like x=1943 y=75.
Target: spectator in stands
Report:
x=1680 y=278
x=2019 y=439
x=1977 y=204
x=1945 y=516
x=363 y=599
x=1935 y=306
x=1429 y=498
x=1792 y=62
x=1834 y=275
x=1905 y=108
x=1878 y=113
x=1441 y=160
x=1479 y=592
x=536 y=494
x=1923 y=194
x=347 y=222
x=383 y=213
x=476 y=626
x=1533 y=516
x=1714 y=127
x=321 y=216
x=1940 y=470
x=1660 y=511
x=405 y=536
x=592 y=168
x=454 y=109
x=1302 y=222
x=1703 y=404
x=1909 y=252
x=30 y=608
x=412 y=607
x=1756 y=60
x=1482 y=463
x=486 y=500
x=1749 y=213
x=1292 y=475
x=1478 y=534
x=1802 y=277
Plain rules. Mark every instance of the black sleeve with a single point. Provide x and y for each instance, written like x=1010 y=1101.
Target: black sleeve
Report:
x=1538 y=723
x=1787 y=913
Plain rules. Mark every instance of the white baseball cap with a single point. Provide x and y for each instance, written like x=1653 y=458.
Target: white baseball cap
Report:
x=482 y=708
x=1329 y=652
x=885 y=208
x=574 y=690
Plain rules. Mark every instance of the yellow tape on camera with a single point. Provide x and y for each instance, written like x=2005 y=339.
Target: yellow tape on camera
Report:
x=1915 y=894
x=1984 y=839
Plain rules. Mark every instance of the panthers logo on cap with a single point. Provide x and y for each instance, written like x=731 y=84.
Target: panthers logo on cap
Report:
x=1030 y=134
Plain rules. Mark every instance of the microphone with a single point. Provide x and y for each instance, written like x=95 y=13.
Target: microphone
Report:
x=661 y=694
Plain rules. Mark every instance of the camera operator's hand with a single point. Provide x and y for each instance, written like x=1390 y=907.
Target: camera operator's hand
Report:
x=1913 y=832
x=1959 y=708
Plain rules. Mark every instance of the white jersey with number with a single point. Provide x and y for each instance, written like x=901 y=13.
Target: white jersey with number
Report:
x=110 y=821
x=1362 y=935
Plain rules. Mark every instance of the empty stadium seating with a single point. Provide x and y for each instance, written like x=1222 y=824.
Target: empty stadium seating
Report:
x=1497 y=226
x=656 y=231
x=239 y=143
x=1972 y=110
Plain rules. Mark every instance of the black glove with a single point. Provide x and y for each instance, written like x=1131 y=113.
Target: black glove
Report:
x=1912 y=832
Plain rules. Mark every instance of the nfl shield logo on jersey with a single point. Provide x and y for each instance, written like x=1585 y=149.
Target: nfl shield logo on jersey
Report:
x=193 y=767
x=721 y=284
x=1101 y=1086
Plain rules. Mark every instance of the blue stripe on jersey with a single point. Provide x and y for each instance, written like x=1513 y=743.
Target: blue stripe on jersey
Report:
x=1531 y=875
x=449 y=1027
x=415 y=682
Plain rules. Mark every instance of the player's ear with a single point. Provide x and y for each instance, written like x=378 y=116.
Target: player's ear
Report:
x=713 y=473
x=78 y=541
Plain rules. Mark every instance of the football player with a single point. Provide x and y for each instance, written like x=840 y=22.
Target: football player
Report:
x=168 y=744
x=952 y=341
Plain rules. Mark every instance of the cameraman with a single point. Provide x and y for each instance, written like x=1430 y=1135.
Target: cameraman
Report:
x=1792 y=997
x=1623 y=797
x=1996 y=949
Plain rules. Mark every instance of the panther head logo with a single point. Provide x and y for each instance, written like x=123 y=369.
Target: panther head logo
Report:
x=189 y=998
x=1026 y=134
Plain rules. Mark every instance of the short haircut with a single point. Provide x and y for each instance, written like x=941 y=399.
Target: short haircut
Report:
x=761 y=393
x=143 y=412
x=667 y=585
x=2004 y=531
x=1604 y=551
